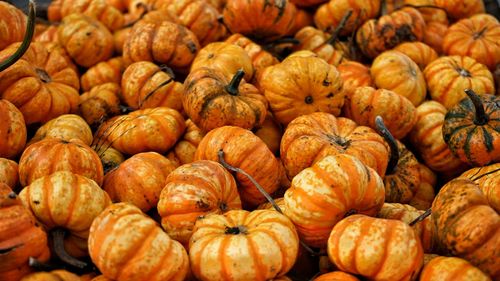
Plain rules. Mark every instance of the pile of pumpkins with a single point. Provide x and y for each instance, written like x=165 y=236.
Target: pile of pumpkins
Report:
x=151 y=140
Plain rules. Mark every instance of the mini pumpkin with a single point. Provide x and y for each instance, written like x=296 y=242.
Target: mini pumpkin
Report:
x=429 y=10
x=488 y=179
x=55 y=275
x=9 y=173
x=458 y=9
x=418 y=52
x=336 y=276
x=451 y=269
x=325 y=46
x=270 y=132
x=434 y=34
x=354 y=75
x=12 y=130
x=102 y=73
x=184 y=150
x=119 y=38
x=13 y=21
x=100 y=103
x=65 y=127
x=110 y=157
x=422 y=200
x=48 y=35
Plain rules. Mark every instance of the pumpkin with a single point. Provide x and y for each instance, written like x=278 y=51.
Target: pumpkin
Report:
x=365 y=103
x=100 y=103
x=448 y=77
x=329 y=15
x=12 y=130
x=122 y=233
x=240 y=148
x=119 y=38
x=472 y=129
x=307 y=3
x=9 y=174
x=97 y=9
x=192 y=191
x=395 y=71
x=311 y=137
x=378 y=35
x=55 y=275
x=302 y=19
x=151 y=129
x=488 y=179
x=65 y=127
x=270 y=20
x=418 y=52
x=427 y=138
x=378 y=249
x=48 y=35
x=225 y=57
x=110 y=157
x=354 y=75
x=146 y=85
x=101 y=278
x=260 y=237
x=13 y=22
x=327 y=47
x=477 y=37
x=42 y=84
x=422 y=199
x=184 y=150
x=334 y=187
x=270 y=132
x=430 y=12
x=336 y=276
x=126 y=183
x=434 y=34
x=20 y=237
x=102 y=73
x=212 y=100
x=458 y=9
x=302 y=85
x=465 y=225
x=451 y=268
x=51 y=155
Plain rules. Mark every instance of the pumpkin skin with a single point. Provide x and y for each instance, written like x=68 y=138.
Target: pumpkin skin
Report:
x=67 y=200
x=65 y=127
x=451 y=269
x=184 y=150
x=100 y=103
x=458 y=9
x=306 y=84
x=477 y=37
x=379 y=249
x=302 y=19
x=102 y=73
x=322 y=134
x=212 y=100
x=460 y=207
x=307 y=3
x=418 y=52
x=260 y=236
x=42 y=84
x=13 y=22
x=385 y=33
x=270 y=132
x=194 y=190
x=448 y=77
x=119 y=38
x=126 y=183
x=365 y=103
x=20 y=237
x=9 y=174
x=472 y=135
x=488 y=179
x=270 y=20
x=110 y=157
x=12 y=130
x=430 y=12
x=434 y=34
x=244 y=150
x=48 y=35
x=354 y=75
x=146 y=85
x=86 y=40
x=335 y=186
x=395 y=71
x=151 y=129
x=122 y=233
x=329 y=15
x=336 y=276
x=55 y=275
x=422 y=199
x=51 y=155
x=319 y=43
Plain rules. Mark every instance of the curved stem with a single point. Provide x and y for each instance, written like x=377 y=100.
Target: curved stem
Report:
x=40 y=266
x=339 y=28
x=232 y=87
x=384 y=132
x=58 y=236
x=480 y=117
x=421 y=217
x=30 y=30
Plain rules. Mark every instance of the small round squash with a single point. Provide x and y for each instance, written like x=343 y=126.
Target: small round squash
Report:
x=12 y=130
x=451 y=269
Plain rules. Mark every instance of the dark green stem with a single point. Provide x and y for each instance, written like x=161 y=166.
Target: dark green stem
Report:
x=480 y=118
x=421 y=217
x=339 y=28
x=232 y=87
x=58 y=237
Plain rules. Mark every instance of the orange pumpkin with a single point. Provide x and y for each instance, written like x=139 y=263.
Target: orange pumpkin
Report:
x=434 y=34
x=334 y=187
x=9 y=173
x=307 y=3
x=13 y=22
x=418 y=52
x=378 y=249
x=55 y=275
x=270 y=132
x=488 y=179
x=336 y=276
x=302 y=19
x=12 y=130
x=48 y=35
x=102 y=73
x=184 y=150
x=119 y=38
x=65 y=127
x=354 y=75
x=325 y=46
x=429 y=10
x=422 y=200
x=458 y=9
x=122 y=233
x=100 y=103
x=451 y=269
x=260 y=237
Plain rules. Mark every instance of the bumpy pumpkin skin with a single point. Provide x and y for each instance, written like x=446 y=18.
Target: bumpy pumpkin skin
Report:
x=477 y=37
x=270 y=20
x=146 y=85
x=100 y=103
x=13 y=22
x=156 y=256
x=460 y=207
x=193 y=190
x=184 y=150
x=86 y=40
x=127 y=182
x=379 y=249
x=42 y=84
x=19 y=233
x=12 y=130
x=51 y=155
x=448 y=77
x=48 y=35
x=270 y=132
x=419 y=52
x=458 y=9
x=306 y=84
x=65 y=127
x=320 y=196
x=9 y=173
x=477 y=144
x=246 y=151
x=422 y=200
x=336 y=276
x=434 y=34
x=488 y=179
x=311 y=137
x=55 y=275
x=315 y=40
x=354 y=75
x=110 y=157
x=119 y=38
x=451 y=269
x=259 y=237
x=395 y=71
x=430 y=12
x=102 y=73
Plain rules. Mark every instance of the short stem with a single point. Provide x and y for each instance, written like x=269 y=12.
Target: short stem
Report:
x=480 y=117
x=384 y=132
x=339 y=28
x=12 y=195
x=421 y=217
x=58 y=236
x=30 y=29
x=232 y=87
x=40 y=266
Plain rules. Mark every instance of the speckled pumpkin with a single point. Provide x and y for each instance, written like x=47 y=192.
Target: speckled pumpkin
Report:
x=320 y=43
x=9 y=173
x=55 y=275
x=488 y=179
x=354 y=74
x=13 y=22
x=65 y=127
x=12 y=130
x=458 y=9
x=184 y=150
x=100 y=103
x=418 y=52
x=422 y=200
x=103 y=72
x=451 y=269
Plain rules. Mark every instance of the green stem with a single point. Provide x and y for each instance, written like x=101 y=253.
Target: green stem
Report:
x=232 y=87
x=339 y=28
x=58 y=236
x=421 y=217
